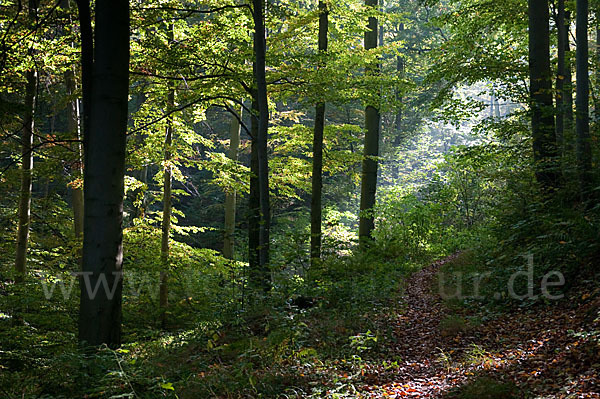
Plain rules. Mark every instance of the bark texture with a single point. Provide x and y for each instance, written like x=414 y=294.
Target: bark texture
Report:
x=101 y=282
x=263 y=273
x=371 y=147
x=542 y=118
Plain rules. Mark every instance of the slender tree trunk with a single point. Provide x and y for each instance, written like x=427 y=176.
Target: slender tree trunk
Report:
x=317 y=164
x=569 y=117
x=167 y=209
x=596 y=97
x=399 y=99
x=254 y=200
x=560 y=75
x=230 y=196
x=371 y=147
x=497 y=108
x=26 y=178
x=73 y=127
x=492 y=101
x=542 y=119
x=582 y=120
x=26 y=162
x=261 y=145
x=101 y=282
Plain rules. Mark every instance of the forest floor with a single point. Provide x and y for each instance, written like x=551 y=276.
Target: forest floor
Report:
x=439 y=350
x=416 y=344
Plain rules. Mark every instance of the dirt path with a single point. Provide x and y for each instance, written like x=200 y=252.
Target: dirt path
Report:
x=423 y=372
x=527 y=353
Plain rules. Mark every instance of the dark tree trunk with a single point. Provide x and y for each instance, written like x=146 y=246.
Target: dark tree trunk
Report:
x=371 y=147
x=542 y=118
x=596 y=97
x=101 y=282
x=317 y=163
x=261 y=143
x=582 y=101
x=26 y=161
x=254 y=200
x=560 y=75
x=26 y=178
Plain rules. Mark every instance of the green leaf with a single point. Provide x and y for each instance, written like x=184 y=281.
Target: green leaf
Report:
x=167 y=385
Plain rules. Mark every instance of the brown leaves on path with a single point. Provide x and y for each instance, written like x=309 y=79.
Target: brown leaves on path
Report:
x=540 y=352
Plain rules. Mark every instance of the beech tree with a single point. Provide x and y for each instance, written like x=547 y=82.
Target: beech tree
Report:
x=230 y=195
x=105 y=68
x=26 y=158
x=582 y=101
x=561 y=67
x=371 y=148
x=540 y=88
x=261 y=120
x=317 y=162
x=167 y=204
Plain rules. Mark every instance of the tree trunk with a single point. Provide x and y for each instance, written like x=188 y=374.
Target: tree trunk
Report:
x=167 y=208
x=230 y=196
x=261 y=143
x=254 y=200
x=582 y=119
x=497 y=108
x=26 y=178
x=560 y=75
x=101 y=282
x=317 y=163
x=26 y=162
x=492 y=101
x=542 y=119
x=73 y=128
x=371 y=147
x=568 y=92
x=596 y=96
x=399 y=99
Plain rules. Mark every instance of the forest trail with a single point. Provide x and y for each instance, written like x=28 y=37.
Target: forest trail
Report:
x=528 y=352
x=418 y=343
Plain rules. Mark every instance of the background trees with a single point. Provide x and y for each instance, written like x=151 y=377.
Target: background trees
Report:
x=297 y=130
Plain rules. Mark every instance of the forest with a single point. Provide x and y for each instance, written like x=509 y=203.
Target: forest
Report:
x=299 y=199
